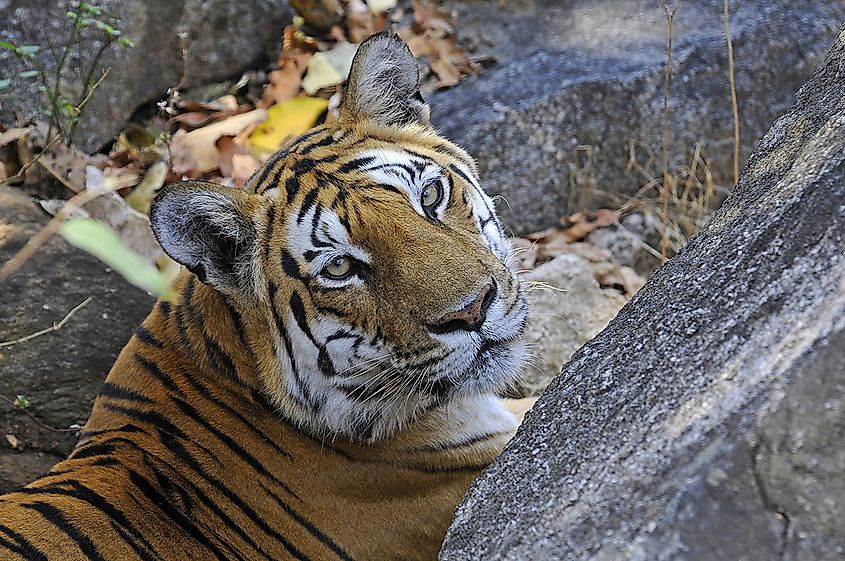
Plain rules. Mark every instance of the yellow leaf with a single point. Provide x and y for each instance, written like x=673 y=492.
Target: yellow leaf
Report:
x=142 y=195
x=289 y=118
x=329 y=68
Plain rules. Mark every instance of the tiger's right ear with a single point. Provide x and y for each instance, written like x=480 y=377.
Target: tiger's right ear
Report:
x=207 y=228
x=383 y=85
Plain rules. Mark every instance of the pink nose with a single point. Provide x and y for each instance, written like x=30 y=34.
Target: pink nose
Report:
x=469 y=318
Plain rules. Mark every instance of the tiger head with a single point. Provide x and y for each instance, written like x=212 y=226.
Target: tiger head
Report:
x=369 y=266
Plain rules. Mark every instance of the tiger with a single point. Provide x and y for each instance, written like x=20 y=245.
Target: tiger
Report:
x=324 y=385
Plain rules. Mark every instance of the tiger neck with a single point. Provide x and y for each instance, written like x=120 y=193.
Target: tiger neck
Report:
x=179 y=348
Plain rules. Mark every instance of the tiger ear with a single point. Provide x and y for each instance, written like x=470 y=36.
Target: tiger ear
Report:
x=383 y=85
x=207 y=228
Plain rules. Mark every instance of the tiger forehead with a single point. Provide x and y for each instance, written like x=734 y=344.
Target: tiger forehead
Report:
x=339 y=157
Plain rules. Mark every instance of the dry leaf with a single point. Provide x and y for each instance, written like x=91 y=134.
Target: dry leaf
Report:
x=319 y=14
x=13 y=441
x=111 y=179
x=67 y=164
x=227 y=147
x=142 y=195
x=329 y=68
x=380 y=6
x=195 y=153
x=284 y=83
x=287 y=119
x=432 y=36
x=14 y=134
x=243 y=166
x=360 y=23
x=132 y=226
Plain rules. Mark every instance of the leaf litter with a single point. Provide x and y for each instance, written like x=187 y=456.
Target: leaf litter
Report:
x=225 y=138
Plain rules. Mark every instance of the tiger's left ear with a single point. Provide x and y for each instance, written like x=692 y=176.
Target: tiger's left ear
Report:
x=383 y=85
x=207 y=228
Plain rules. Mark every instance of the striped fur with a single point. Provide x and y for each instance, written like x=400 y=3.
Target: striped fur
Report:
x=274 y=412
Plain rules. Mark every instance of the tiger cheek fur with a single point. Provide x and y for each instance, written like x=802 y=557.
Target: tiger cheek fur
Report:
x=324 y=385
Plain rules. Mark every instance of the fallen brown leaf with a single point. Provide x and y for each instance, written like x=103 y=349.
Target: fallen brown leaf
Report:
x=195 y=152
x=284 y=83
x=243 y=166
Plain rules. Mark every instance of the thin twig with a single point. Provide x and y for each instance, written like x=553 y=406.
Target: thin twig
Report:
x=48 y=230
x=54 y=327
x=33 y=418
x=29 y=164
x=664 y=191
x=732 y=82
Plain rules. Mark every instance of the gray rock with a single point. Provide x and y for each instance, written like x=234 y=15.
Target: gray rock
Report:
x=568 y=310
x=589 y=74
x=60 y=372
x=706 y=421
x=220 y=39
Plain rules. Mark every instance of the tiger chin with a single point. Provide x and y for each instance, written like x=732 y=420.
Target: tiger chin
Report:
x=325 y=384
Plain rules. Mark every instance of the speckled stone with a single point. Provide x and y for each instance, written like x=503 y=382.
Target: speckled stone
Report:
x=182 y=43
x=576 y=82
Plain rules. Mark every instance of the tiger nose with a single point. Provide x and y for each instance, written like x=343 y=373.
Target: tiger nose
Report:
x=471 y=317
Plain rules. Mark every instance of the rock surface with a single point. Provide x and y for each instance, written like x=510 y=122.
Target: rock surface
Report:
x=577 y=81
x=705 y=423
x=60 y=372
x=567 y=310
x=219 y=40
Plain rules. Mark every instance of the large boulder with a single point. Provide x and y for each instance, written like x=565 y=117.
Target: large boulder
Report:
x=577 y=81
x=60 y=372
x=706 y=421
x=180 y=44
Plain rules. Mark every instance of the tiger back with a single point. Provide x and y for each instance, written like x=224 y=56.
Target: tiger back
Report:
x=324 y=385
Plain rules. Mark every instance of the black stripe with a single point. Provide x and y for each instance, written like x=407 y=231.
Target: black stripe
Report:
x=243 y=506
x=113 y=391
x=82 y=493
x=354 y=165
x=91 y=450
x=307 y=203
x=230 y=442
x=291 y=267
x=292 y=187
x=214 y=483
x=166 y=508
x=21 y=545
x=269 y=167
x=149 y=417
x=145 y=336
x=280 y=326
x=153 y=369
x=268 y=237
x=313 y=530
x=325 y=141
x=163 y=307
x=323 y=361
x=58 y=519
x=219 y=359
x=300 y=141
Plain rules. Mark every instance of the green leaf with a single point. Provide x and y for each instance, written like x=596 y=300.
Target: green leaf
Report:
x=28 y=50
x=28 y=74
x=5 y=83
x=9 y=46
x=104 y=244
x=21 y=402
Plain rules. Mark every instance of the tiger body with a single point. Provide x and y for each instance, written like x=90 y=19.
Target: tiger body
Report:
x=324 y=385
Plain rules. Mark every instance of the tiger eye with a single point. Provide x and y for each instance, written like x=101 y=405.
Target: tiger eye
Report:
x=339 y=267
x=431 y=194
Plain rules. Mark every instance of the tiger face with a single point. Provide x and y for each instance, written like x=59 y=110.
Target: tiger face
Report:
x=369 y=266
